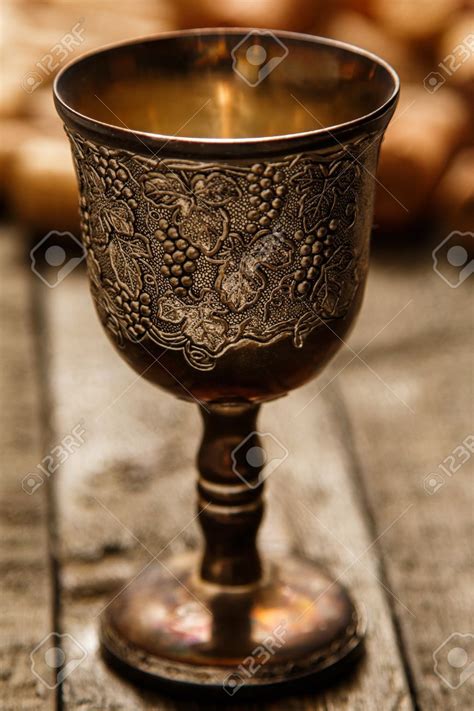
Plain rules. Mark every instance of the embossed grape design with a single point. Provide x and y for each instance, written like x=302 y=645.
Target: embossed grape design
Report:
x=267 y=193
x=113 y=175
x=136 y=312
x=179 y=258
x=85 y=221
x=314 y=251
x=217 y=246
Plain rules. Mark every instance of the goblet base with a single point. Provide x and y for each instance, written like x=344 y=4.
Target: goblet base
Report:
x=170 y=626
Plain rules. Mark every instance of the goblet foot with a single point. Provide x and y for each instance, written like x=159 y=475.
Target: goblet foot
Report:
x=169 y=626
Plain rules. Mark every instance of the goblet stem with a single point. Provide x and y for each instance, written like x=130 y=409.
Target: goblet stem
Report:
x=230 y=503
x=172 y=625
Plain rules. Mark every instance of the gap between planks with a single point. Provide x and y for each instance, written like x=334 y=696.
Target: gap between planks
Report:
x=27 y=587
x=138 y=463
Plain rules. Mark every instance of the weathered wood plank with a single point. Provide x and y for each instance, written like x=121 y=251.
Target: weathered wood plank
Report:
x=423 y=357
x=133 y=483
x=27 y=606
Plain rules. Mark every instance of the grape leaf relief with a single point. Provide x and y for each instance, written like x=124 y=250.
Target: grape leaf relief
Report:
x=202 y=256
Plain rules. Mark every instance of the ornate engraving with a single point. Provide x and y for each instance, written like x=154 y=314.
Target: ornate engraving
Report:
x=202 y=256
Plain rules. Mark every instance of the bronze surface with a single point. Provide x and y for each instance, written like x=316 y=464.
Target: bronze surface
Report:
x=227 y=266
x=171 y=624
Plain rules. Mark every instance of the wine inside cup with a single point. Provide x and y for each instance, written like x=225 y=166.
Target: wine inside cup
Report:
x=226 y=188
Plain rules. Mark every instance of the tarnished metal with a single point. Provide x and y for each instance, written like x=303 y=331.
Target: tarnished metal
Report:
x=226 y=266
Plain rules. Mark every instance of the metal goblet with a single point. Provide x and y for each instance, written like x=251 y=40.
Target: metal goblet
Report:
x=227 y=183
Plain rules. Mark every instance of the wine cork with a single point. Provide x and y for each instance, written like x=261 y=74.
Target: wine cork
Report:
x=42 y=185
x=284 y=14
x=43 y=37
x=419 y=142
x=415 y=20
x=13 y=133
x=357 y=29
x=361 y=6
x=454 y=196
x=12 y=96
x=456 y=50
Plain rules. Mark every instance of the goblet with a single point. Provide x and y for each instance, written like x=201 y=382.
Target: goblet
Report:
x=226 y=189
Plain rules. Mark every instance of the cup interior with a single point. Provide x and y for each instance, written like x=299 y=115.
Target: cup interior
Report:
x=227 y=84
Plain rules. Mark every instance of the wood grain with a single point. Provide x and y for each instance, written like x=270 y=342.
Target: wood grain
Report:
x=424 y=357
x=361 y=441
x=130 y=493
x=25 y=570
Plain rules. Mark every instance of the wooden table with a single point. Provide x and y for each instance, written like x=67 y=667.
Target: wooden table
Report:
x=362 y=439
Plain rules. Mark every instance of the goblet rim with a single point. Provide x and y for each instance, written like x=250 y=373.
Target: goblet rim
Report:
x=193 y=146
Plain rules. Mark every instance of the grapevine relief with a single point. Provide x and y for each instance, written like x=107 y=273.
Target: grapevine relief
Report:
x=200 y=257
x=197 y=202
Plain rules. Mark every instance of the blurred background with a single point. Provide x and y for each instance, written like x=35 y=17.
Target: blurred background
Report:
x=427 y=168
x=375 y=449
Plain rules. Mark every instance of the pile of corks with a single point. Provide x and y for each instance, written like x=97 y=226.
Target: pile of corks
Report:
x=426 y=171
